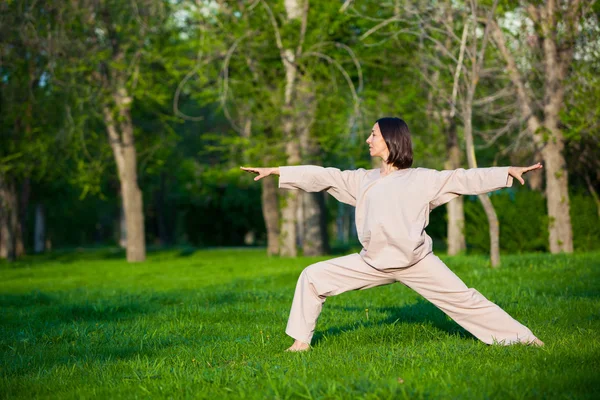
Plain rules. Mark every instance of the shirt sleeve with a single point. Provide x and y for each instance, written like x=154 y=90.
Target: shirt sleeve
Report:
x=452 y=183
x=343 y=185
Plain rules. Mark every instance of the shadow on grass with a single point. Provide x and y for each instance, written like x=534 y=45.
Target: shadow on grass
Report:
x=35 y=308
x=418 y=313
x=68 y=256
x=79 y=255
x=42 y=330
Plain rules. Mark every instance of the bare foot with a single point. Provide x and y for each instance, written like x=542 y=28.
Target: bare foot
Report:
x=299 y=346
x=536 y=342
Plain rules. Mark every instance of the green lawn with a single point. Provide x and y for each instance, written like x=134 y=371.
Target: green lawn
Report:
x=210 y=324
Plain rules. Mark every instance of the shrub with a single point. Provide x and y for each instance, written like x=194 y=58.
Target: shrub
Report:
x=523 y=222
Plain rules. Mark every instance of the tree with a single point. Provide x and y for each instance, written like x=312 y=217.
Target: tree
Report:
x=454 y=88
x=281 y=96
x=113 y=48
x=472 y=77
x=29 y=117
x=549 y=46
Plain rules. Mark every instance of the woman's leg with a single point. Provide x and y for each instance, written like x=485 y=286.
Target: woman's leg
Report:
x=324 y=279
x=432 y=279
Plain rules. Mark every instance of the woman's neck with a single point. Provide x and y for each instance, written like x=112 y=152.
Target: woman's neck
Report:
x=387 y=168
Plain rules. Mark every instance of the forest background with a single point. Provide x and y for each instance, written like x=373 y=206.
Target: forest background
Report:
x=125 y=122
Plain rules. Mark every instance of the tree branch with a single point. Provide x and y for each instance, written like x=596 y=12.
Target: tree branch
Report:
x=344 y=6
x=344 y=73
x=225 y=85
x=191 y=73
x=302 y=29
x=463 y=43
x=275 y=27
x=525 y=100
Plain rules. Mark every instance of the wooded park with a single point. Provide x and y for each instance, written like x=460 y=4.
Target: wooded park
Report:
x=123 y=127
x=125 y=122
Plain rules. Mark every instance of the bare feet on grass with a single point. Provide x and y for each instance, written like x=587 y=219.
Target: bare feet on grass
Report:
x=299 y=346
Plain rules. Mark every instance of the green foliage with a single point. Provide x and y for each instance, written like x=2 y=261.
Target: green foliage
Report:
x=585 y=221
x=524 y=222
x=30 y=109
x=522 y=219
x=107 y=47
x=580 y=117
x=210 y=324
x=60 y=64
x=220 y=207
x=73 y=220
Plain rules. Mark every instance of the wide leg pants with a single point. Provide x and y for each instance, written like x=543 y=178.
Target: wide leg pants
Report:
x=429 y=277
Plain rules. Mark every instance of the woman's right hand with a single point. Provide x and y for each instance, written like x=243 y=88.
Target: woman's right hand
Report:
x=517 y=172
x=262 y=172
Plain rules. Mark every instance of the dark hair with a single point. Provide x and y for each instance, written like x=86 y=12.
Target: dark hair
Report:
x=397 y=138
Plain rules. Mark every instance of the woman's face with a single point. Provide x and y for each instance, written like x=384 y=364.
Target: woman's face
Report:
x=376 y=142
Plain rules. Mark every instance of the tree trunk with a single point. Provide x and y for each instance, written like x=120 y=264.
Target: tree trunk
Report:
x=122 y=226
x=270 y=209
x=315 y=225
x=447 y=117
x=295 y=9
x=557 y=180
x=21 y=228
x=485 y=200
x=494 y=229
x=535 y=179
x=300 y=220
x=312 y=215
x=23 y=199
x=269 y=200
x=39 y=239
x=455 y=208
x=456 y=226
x=123 y=145
x=477 y=58
x=9 y=216
x=133 y=208
x=557 y=197
x=546 y=134
x=288 y=237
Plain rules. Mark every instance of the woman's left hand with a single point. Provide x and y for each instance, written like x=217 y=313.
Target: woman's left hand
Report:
x=516 y=172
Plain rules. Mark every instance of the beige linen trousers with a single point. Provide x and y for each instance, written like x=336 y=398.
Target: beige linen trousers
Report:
x=391 y=215
x=430 y=277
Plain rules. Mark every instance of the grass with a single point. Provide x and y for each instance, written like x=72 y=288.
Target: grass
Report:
x=210 y=324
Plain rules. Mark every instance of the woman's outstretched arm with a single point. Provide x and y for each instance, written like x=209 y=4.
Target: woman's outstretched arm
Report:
x=343 y=185
x=262 y=172
x=446 y=185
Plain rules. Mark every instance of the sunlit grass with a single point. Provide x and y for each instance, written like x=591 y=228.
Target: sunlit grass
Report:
x=210 y=324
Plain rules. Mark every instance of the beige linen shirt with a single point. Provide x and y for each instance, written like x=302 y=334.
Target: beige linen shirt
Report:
x=392 y=211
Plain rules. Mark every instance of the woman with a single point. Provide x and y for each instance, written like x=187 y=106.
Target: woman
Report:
x=392 y=210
